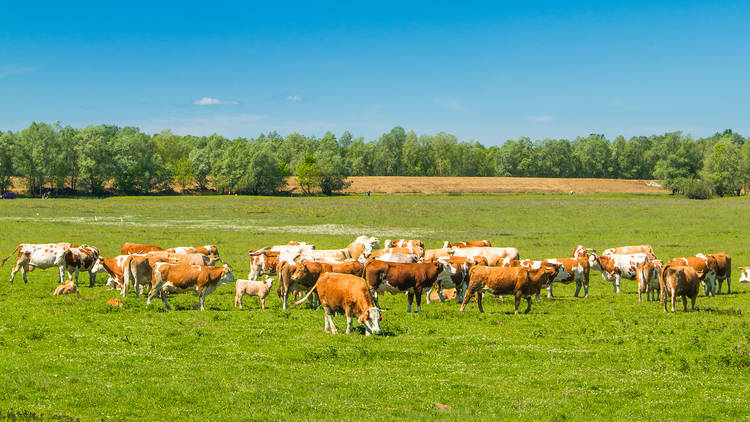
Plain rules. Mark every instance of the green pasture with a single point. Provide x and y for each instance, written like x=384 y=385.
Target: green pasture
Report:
x=604 y=357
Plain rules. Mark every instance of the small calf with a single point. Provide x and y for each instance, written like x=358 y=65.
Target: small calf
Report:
x=252 y=288
x=66 y=289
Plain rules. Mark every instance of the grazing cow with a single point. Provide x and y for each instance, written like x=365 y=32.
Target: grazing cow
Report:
x=179 y=277
x=416 y=245
x=42 y=256
x=81 y=258
x=518 y=281
x=66 y=289
x=494 y=256
x=252 y=288
x=347 y=294
x=744 y=274
x=136 y=248
x=723 y=270
x=412 y=278
x=630 y=250
x=704 y=265
x=466 y=244
x=262 y=262
x=616 y=267
x=208 y=250
x=459 y=275
x=648 y=280
x=307 y=273
x=113 y=267
x=433 y=254
x=285 y=270
x=679 y=280
x=563 y=275
x=182 y=258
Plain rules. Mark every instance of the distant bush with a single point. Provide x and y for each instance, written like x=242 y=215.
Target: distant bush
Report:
x=696 y=189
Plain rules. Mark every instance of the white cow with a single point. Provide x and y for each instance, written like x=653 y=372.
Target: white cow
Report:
x=616 y=267
x=43 y=256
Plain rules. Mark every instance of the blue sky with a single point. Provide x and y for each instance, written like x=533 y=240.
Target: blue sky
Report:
x=485 y=71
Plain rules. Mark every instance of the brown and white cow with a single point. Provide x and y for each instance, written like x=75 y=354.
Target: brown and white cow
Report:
x=616 y=267
x=182 y=258
x=704 y=265
x=42 y=256
x=518 y=281
x=347 y=294
x=494 y=256
x=630 y=250
x=563 y=275
x=124 y=270
x=262 y=262
x=208 y=250
x=459 y=275
x=648 y=280
x=466 y=244
x=723 y=270
x=307 y=273
x=137 y=248
x=415 y=246
x=433 y=254
x=361 y=248
x=65 y=289
x=81 y=258
x=179 y=277
x=113 y=268
x=679 y=280
x=744 y=274
x=412 y=278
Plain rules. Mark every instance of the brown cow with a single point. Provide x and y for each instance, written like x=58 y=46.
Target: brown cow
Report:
x=466 y=244
x=459 y=275
x=179 y=277
x=679 y=280
x=66 y=289
x=285 y=270
x=412 y=278
x=723 y=270
x=704 y=265
x=571 y=269
x=648 y=280
x=347 y=294
x=518 y=281
x=136 y=248
x=208 y=250
x=262 y=262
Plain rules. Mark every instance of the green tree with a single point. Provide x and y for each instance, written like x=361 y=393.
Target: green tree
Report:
x=722 y=168
x=95 y=156
x=36 y=144
x=7 y=154
x=264 y=174
x=593 y=156
x=308 y=174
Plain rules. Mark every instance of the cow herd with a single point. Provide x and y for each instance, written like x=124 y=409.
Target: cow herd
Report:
x=350 y=280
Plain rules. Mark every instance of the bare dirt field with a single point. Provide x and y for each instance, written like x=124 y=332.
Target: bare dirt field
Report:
x=404 y=185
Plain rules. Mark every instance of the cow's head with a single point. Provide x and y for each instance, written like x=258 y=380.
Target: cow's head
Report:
x=445 y=272
x=300 y=272
x=226 y=274
x=98 y=266
x=595 y=262
x=371 y=318
x=561 y=271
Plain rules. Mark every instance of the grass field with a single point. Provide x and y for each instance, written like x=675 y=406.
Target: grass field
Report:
x=604 y=357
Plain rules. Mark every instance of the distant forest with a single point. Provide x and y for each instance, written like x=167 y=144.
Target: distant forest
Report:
x=104 y=160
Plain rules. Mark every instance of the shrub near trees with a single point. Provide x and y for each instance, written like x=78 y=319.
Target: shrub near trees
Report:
x=106 y=159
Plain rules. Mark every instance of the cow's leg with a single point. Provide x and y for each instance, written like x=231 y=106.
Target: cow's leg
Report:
x=719 y=282
x=201 y=297
x=617 y=283
x=325 y=319
x=410 y=300
x=479 y=297
x=62 y=275
x=639 y=295
x=467 y=297
x=517 y=301
x=586 y=284
x=578 y=289
x=684 y=303
x=285 y=295
x=348 y=322
x=164 y=299
x=15 y=270
x=528 y=307
x=152 y=293
x=549 y=291
x=729 y=285
x=92 y=279
x=692 y=302
x=238 y=299
x=374 y=295
x=329 y=314
x=262 y=302
x=418 y=294
x=674 y=299
x=440 y=295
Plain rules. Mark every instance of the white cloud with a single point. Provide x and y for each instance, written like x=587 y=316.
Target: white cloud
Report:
x=212 y=101
x=294 y=98
x=542 y=118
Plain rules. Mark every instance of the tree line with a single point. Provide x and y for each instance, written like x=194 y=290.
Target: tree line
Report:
x=105 y=159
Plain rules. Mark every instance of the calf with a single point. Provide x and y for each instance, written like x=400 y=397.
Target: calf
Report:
x=678 y=280
x=744 y=274
x=252 y=288
x=42 y=256
x=137 y=248
x=616 y=267
x=411 y=278
x=518 y=281
x=66 y=289
x=466 y=244
x=704 y=265
x=648 y=280
x=179 y=277
x=347 y=294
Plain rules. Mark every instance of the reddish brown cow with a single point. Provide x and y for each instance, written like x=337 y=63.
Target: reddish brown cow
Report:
x=262 y=262
x=347 y=294
x=518 y=281
x=179 y=277
x=723 y=270
x=704 y=265
x=467 y=244
x=679 y=280
x=412 y=278
x=136 y=248
x=459 y=275
x=648 y=280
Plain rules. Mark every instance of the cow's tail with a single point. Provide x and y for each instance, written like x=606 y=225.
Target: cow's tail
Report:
x=301 y=301
x=11 y=254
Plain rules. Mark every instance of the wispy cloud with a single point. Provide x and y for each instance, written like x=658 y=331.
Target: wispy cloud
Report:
x=542 y=118
x=207 y=101
x=14 y=70
x=451 y=104
x=295 y=98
